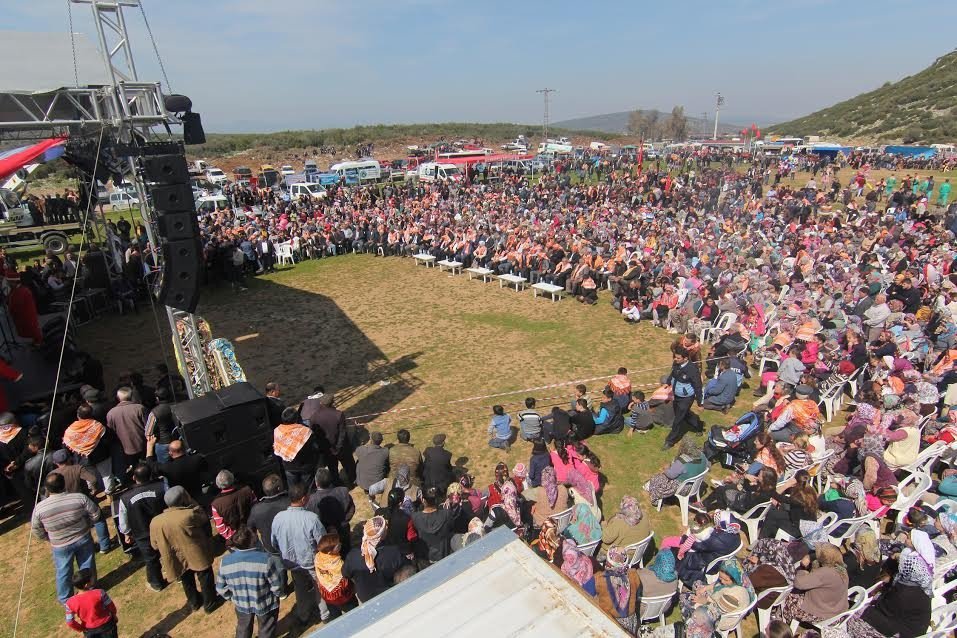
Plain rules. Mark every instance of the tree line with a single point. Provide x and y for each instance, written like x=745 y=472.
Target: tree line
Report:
x=650 y=125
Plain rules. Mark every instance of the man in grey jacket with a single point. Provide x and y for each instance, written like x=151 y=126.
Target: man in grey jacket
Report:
x=372 y=466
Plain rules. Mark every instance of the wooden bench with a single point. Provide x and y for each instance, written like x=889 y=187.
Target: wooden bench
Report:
x=454 y=266
x=425 y=259
x=512 y=280
x=548 y=289
x=484 y=273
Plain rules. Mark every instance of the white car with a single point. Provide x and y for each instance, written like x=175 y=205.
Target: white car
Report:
x=287 y=170
x=122 y=200
x=306 y=189
x=216 y=176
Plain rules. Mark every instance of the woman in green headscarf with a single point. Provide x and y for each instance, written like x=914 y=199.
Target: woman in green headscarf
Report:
x=721 y=601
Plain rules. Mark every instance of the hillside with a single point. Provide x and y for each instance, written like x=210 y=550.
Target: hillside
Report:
x=618 y=123
x=920 y=108
x=379 y=134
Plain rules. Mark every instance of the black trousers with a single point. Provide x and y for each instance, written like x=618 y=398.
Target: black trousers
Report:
x=306 y=604
x=267 y=624
x=206 y=584
x=151 y=559
x=685 y=419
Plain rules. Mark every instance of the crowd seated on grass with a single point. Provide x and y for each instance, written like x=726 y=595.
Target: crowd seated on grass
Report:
x=812 y=310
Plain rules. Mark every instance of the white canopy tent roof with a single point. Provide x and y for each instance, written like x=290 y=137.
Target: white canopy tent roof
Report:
x=496 y=586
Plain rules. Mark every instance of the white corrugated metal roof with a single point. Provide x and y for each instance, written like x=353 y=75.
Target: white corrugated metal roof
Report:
x=42 y=62
x=497 y=586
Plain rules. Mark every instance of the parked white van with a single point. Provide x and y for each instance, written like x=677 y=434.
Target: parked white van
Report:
x=211 y=204
x=367 y=170
x=122 y=199
x=304 y=189
x=431 y=172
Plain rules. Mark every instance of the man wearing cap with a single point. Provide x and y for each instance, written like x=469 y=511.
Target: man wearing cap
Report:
x=81 y=479
x=231 y=508
x=139 y=505
x=182 y=536
x=97 y=402
x=404 y=453
x=801 y=415
x=437 y=465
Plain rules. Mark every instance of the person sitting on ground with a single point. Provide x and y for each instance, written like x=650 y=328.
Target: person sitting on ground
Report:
x=372 y=467
x=640 y=417
x=719 y=393
x=404 y=453
x=609 y=419
x=530 y=422
x=539 y=460
x=437 y=469
x=501 y=429
x=581 y=420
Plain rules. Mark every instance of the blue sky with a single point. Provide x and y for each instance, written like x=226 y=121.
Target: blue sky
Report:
x=252 y=65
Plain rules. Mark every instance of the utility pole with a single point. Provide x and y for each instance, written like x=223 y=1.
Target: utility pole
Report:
x=717 y=109
x=545 y=92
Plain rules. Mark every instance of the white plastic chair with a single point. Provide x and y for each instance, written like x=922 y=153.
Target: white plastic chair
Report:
x=722 y=324
x=819 y=477
x=694 y=490
x=943 y=620
x=852 y=526
x=765 y=360
x=636 y=551
x=921 y=483
x=753 y=518
x=926 y=459
x=852 y=381
x=653 y=607
x=562 y=519
x=777 y=594
x=733 y=621
x=859 y=597
x=832 y=397
x=720 y=559
x=285 y=255
x=590 y=549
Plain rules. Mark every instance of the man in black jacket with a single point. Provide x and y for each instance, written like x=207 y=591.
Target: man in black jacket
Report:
x=138 y=506
x=437 y=465
x=274 y=404
x=685 y=380
x=333 y=505
x=323 y=417
x=182 y=469
x=160 y=424
x=262 y=513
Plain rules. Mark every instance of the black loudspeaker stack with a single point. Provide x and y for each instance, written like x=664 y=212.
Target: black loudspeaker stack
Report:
x=230 y=428
x=171 y=195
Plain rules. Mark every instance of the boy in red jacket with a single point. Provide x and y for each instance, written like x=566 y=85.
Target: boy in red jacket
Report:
x=90 y=610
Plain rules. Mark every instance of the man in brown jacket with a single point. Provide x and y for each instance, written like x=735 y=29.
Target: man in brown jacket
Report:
x=404 y=453
x=183 y=538
x=128 y=421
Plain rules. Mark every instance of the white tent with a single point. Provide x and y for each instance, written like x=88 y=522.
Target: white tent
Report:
x=494 y=587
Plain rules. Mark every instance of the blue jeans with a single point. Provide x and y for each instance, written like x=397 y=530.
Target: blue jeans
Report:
x=162 y=452
x=498 y=443
x=102 y=533
x=63 y=557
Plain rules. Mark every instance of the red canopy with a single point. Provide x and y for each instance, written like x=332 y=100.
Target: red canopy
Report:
x=20 y=158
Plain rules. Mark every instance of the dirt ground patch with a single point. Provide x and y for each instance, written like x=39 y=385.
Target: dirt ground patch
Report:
x=385 y=335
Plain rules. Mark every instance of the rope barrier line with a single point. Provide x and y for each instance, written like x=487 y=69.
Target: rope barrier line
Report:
x=56 y=384
x=521 y=391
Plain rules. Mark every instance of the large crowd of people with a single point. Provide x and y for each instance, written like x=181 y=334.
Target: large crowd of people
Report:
x=843 y=287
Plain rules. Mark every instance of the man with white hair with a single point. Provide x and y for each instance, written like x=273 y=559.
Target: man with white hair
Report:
x=128 y=422
x=231 y=508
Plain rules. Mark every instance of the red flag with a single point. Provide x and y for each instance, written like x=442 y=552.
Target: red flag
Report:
x=754 y=127
x=757 y=133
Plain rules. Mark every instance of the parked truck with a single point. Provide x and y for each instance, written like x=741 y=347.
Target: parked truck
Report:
x=19 y=229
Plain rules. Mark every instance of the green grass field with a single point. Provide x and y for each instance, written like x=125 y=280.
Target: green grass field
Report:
x=386 y=335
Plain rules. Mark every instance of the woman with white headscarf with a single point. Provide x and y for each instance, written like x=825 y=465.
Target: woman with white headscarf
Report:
x=903 y=608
